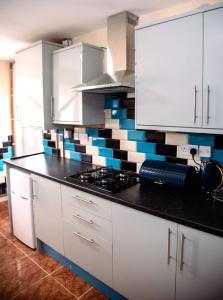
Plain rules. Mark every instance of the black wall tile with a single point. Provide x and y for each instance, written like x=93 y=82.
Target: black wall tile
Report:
x=156 y=137
x=10 y=138
x=128 y=103
x=218 y=144
x=129 y=166
x=131 y=114
x=105 y=133
x=52 y=144
x=75 y=141
x=86 y=157
x=6 y=144
x=3 y=150
x=56 y=152
x=1 y=156
x=47 y=136
x=166 y=150
x=80 y=148
x=176 y=160
x=111 y=143
x=121 y=154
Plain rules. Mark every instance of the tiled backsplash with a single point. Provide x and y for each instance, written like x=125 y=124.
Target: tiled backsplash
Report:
x=6 y=151
x=121 y=146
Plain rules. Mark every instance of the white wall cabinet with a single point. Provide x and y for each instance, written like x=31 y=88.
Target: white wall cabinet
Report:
x=200 y=277
x=140 y=255
x=179 y=64
x=33 y=90
x=47 y=212
x=72 y=66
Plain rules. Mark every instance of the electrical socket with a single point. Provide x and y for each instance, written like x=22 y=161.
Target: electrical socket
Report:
x=184 y=150
x=204 y=151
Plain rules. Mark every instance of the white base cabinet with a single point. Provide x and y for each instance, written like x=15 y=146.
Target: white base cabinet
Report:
x=47 y=212
x=200 y=277
x=141 y=267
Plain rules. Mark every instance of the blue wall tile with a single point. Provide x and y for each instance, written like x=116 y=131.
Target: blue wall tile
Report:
x=69 y=146
x=111 y=102
x=218 y=155
x=75 y=155
x=100 y=142
x=45 y=142
x=119 y=113
x=10 y=150
x=146 y=147
x=7 y=155
x=135 y=135
x=155 y=157
x=92 y=132
x=107 y=152
x=48 y=150
x=127 y=124
x=113 y=162
x=201 y=139
x=66 y=140
x=1 y=168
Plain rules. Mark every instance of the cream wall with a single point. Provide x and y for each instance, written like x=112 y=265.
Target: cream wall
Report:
x=99 y=37
x=5 y=127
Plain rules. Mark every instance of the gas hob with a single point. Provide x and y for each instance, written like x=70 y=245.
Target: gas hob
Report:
x=107 y=179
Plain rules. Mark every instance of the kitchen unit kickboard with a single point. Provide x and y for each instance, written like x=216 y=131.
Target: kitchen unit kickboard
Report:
x=121 y=146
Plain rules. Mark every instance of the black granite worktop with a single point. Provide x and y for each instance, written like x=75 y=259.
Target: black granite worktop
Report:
x=190 y=209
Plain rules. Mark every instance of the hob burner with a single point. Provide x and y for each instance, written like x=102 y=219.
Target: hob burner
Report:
x=107 y=179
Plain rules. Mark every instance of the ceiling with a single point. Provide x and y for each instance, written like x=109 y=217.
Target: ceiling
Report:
x=25 y=21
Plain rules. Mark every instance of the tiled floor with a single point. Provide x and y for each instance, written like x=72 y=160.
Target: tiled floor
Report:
x=26 y=274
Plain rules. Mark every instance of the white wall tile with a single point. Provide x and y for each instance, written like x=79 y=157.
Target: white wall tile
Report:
x=136 y=157
x=92 y=150
x=67 y=154
x=112 y=123
x=173 y=138
x=138 y=167
x=128 y=145
x=79 y=130
x=108 y=113
x=99 y=160
x=119 y=134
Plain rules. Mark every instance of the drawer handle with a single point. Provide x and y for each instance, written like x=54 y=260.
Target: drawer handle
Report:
x=83 y=237
x=168 y=246
x=83 y=200
x=83 y=219
x=182 y=252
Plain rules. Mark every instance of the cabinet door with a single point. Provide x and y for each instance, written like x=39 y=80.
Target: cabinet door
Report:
x=202 y=270
x=169 y=73
x=47 y=212
x=29 y=86
x=213 y=69
x=66 y=74
x=140 y=255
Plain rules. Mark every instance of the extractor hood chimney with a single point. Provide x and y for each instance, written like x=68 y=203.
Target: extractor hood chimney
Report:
x=121 y=48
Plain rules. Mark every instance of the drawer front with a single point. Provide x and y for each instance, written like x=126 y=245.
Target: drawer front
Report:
x=87 y=223
x=94 y=255
x=90 y=203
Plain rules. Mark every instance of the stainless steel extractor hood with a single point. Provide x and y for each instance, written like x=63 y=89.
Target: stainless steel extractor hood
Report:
x=121 y=48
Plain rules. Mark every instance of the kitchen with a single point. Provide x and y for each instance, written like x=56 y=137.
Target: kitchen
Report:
x=117 y=145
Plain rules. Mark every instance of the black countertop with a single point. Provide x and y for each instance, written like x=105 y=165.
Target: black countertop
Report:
x=190 y=209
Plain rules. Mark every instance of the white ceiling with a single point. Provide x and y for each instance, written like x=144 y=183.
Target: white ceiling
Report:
x=25 y=21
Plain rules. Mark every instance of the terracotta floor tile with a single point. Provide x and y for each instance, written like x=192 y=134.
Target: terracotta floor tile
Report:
x=6 y=231
x=72 y=282
x=94 y=294
x=4 y=218
x=18 y=275
x=27 y=250
x=45 y=261
x=9 y=253
x=3 y=241
x=46 y=289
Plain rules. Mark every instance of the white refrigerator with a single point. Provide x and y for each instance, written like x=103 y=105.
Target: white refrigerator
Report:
x=22 y=207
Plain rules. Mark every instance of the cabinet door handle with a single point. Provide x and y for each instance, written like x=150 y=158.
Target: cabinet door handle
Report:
x=83 y=200
x=52 y=107
x=83 y=237
x=33 y=188
x=207 y=103
x=168 y=246
x=182 y=252
x=195 y=104
x=83 y=219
